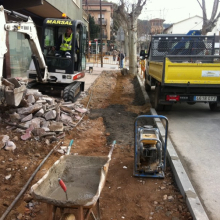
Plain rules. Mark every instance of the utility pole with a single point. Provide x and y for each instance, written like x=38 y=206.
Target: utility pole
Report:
x=101 y=32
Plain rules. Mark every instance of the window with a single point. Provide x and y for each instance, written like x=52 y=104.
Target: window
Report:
x=49 y=36
x=20 y=54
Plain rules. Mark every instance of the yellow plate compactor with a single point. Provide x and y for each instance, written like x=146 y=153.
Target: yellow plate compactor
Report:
x=149 y=148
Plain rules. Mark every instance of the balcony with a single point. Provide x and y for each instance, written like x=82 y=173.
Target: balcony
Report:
x=104 y=36
x=104 y=21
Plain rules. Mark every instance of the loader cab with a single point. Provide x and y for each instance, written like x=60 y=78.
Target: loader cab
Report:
x=53 y=29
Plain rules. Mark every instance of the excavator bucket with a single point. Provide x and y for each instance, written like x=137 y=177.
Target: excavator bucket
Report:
x=13 y=92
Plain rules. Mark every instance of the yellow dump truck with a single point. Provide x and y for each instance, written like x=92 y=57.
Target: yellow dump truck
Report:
x=182 y=68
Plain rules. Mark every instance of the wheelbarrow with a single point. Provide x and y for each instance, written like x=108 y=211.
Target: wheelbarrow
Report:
x=84 y=178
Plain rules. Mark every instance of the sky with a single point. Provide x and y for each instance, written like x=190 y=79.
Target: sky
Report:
x=172 y=11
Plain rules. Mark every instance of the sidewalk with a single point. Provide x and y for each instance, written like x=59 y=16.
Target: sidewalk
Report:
x=90 y=78
x=182 y=180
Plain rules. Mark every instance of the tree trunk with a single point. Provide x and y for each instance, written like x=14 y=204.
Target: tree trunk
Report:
x=133 y=46
x=126 y=44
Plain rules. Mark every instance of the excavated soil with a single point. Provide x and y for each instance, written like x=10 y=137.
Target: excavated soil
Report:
x=114 y=102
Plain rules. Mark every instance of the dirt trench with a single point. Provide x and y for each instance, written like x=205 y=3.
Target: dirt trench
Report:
x=114 y=101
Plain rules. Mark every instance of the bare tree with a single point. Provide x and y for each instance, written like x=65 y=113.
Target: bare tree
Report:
x=120 y=22
x=130 y=16
x=209 y=24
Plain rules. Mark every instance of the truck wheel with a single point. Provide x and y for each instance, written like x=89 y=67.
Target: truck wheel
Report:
x=213 y=106
x=147 y=86
x=168 y=107
x=191 y=103
x=157 y=106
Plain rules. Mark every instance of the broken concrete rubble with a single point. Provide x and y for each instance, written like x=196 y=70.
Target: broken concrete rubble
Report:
x=3 y=139
x=39 y=116
x=50 y=115
x=27 y=118
x=56 y=126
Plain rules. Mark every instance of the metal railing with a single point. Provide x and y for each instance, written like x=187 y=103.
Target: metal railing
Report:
x=104 y=21
x=104 y=36
x=107 y=59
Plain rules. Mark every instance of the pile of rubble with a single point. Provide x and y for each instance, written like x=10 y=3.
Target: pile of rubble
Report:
x=40 y=116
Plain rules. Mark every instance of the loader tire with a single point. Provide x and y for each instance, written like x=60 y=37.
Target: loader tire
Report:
x=72 y=92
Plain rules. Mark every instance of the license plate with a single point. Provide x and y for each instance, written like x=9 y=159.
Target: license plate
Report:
x=205 y=98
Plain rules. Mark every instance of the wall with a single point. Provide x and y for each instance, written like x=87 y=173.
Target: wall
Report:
x=183 y=27
x=106 y=11
x=73 y=8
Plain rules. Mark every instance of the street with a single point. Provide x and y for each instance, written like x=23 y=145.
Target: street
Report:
x=194 y=131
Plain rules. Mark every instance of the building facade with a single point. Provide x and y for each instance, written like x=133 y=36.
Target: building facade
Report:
x=184 y=26
x=156 y=25
x=92 y=7
x=18 y=57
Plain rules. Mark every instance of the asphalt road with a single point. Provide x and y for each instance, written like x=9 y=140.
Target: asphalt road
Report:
x=195 y=133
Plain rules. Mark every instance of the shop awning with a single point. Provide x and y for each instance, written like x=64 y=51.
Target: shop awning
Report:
x=40 y=8
x=21 y=4
x=46 y=10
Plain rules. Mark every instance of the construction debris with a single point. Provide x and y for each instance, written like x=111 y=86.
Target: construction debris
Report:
x=40 y=116
x=9 y=145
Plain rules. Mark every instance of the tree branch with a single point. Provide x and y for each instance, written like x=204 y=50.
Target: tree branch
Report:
x=200 y=4
x=214 y=9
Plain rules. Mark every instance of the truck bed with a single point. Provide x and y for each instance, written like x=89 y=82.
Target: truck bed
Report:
x=168 y=72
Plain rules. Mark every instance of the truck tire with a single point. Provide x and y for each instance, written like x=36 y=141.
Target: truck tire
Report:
x=157 y=106
x=71 y=92
x=213 y=106
x=168 y=107
x=191 y=103
x=147 y=86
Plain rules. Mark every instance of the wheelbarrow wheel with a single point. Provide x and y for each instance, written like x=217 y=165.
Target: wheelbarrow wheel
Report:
x=68 y=216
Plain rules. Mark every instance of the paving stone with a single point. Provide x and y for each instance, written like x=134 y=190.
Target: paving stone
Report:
x=38 y=131
x=56 y=126
x=31 y=99
x=27 y=118
x=29 y=110
x=36 y=122
x=3 y=140
x=26 y=136
x=39 y=113
x=49 y=100
x=50 y=115
x=45 y=124
x=81 y=110
x=31 y=91
x=41 y=101
x=65 y=118
x=14 y=117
